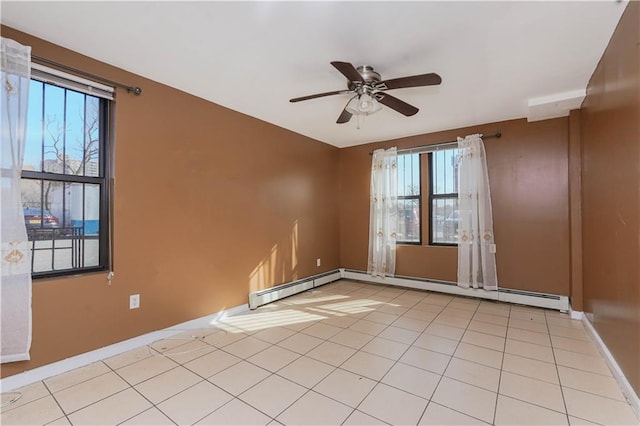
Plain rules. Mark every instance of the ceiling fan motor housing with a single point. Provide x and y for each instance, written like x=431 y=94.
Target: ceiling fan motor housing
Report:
x=370 y=78
x=368 y=74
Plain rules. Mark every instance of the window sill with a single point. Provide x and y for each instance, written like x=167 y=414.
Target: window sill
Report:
x=69 y=274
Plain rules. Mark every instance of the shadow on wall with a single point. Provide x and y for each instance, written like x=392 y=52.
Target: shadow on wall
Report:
x=279 y=266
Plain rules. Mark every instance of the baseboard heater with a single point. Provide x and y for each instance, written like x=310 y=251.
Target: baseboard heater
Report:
x=530 y=298
x=272 y=294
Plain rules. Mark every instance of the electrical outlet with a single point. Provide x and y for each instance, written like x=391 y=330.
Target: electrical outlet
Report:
x=318 y=262
x=134 y=301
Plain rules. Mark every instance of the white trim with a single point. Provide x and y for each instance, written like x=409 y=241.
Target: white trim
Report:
x=557 y=105
x=262 y=297
x=624 y=384
x=540 y=300
x=40 y=373
x=326 y=279
x=575 y=315
x=70 y=81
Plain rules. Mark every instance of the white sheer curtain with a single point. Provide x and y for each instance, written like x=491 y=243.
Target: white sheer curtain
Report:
x=383 y=216
x=15 y=285
x=476 y=248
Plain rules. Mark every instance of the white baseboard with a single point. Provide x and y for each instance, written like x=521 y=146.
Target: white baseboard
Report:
x=625 y=386
x=262 y=297
x=575 y=315
x=40 y=373
x=540 y=300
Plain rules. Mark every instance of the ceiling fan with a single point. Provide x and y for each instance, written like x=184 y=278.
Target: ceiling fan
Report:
x=368 y=91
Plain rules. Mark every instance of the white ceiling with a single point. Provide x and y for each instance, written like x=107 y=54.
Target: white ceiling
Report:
x=253 y=57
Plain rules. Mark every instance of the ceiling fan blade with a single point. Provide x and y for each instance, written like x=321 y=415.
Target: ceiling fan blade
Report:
x=319 y=95
x=396 y=104
x=344 y=117
x=431 y=79
x=348 y=71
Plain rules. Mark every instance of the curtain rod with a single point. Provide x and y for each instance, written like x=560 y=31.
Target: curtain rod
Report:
x=135 y=89
x=436 y=146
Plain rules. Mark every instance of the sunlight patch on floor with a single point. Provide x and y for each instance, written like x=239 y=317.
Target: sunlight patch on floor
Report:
x=260 y=321
x=314 y=299
x=355 y=306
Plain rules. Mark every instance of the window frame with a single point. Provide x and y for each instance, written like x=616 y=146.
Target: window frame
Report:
x=414 y=197
x=102 y=180
x=432 y=197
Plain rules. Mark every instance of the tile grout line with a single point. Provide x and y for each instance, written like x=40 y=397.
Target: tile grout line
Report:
x=443 y=307
x=75 y=384
x=206 y=379
x=395 y=362
x=141 y=394
x=539 y=380
x=555 y=361
x=272 y=373
x=377 y=382
x=96 y=401
x=64 y=413
x=527 y=358
x=504 y=348
x=354 y=409
x=4 y=410
x=150 y=408
x=308 y=390
x=233 y=397
x=435 y=389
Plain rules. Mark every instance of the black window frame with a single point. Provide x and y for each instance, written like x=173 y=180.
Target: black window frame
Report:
x=432 y=198
x=414 y=197
x=102 y=180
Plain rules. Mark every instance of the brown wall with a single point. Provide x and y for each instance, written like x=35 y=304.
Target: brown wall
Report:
x=210 y=204
x=528 y=175
x=610 y=131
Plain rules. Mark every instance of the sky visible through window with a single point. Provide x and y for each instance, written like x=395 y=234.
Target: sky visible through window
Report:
x=408 y=174
x=445 y=166
x=59 y=115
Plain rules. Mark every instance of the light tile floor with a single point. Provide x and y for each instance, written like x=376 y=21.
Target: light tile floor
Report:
x=348 y=353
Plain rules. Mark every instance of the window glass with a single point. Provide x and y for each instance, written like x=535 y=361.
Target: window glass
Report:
x=409 y=199
x=63 y=182
x=443 y=177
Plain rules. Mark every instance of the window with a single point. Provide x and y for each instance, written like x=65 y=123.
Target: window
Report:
x=443 y=197
x=64 y=175
x=409 y=203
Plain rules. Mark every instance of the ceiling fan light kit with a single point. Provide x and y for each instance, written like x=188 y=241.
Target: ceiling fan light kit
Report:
x=364 y=104
x=368 y=91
